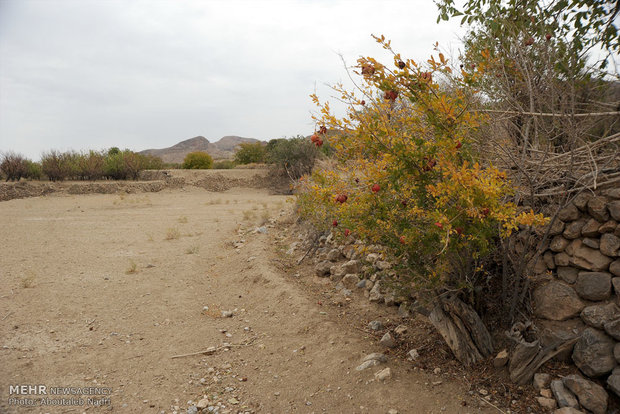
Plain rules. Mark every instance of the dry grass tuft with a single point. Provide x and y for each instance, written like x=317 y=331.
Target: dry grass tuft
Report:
x=172 y=233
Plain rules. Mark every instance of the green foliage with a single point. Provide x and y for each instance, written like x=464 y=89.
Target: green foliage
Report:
x=248 y=153
x=294 y=156
x=583 y=24
x=223 y=165
x=14 y=166
x=198 y=160
x=33 y=170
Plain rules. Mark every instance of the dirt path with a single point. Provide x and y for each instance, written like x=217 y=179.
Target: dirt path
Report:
x=102 y=290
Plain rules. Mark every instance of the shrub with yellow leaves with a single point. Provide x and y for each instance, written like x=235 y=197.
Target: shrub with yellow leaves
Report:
x=405 y=174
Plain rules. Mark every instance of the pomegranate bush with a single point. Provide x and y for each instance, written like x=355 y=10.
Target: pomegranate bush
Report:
x=404 y=174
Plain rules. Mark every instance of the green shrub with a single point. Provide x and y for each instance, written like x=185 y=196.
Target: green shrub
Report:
x=223 y=165
x=33 y=170
x=198 y=160
x=249 y=153
x=295 y=156
x=14 y=166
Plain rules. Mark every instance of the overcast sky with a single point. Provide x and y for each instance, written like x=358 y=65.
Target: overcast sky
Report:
x=79 y=74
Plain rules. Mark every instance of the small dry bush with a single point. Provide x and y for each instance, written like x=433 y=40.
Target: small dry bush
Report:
x=172 y=233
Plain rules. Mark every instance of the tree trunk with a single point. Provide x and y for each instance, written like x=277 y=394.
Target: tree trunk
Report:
x=462 y=329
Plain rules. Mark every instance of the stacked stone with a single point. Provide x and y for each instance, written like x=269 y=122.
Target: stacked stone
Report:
x=582 y=299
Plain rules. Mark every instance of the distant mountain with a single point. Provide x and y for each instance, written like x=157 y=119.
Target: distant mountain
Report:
x=222 y=149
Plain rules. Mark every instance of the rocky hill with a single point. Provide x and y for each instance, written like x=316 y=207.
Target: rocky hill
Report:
x=222 y=149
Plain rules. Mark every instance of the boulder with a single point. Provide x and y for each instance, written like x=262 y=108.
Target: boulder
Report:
x=610 y=245
x=613 y=193
x=563 y=396
x=350 y=280
x=558 y=244
x=581 y=201
x=548 y=259
x=590 y=229
x=591 y=396
x=334 y=255
x=598 y=315
x=608 y=227
x=613 y=328
x=593 y=285
x=352 y=266
x=614 y=209
x=561 y=259
x=597 y=208
x=556 y=228
x=587 y=258
x=567 y=274
x=553 y=333
x=613 y=382
x=591 y=243
x=556 y=301
x=372 y=257
x=593 y=353
x=569 y=213
x=617 y=352
x=614 y=267
x=573 y=229
x=323 y=268
x=375 y=294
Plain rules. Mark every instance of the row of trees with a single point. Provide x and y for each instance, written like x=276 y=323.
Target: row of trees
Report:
x=113 y=164
x=294 y=157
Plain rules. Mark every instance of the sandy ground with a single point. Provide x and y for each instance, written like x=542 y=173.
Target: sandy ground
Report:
x=101 y=290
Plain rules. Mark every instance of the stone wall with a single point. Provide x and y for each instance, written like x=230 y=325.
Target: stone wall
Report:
x=582 y=298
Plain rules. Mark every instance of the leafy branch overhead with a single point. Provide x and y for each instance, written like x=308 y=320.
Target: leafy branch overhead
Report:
x=584 y=24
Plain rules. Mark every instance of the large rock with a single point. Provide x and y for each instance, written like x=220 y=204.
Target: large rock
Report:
x=563 y=396
x=553 y=333
x=617 y=352
x=561 y=259
x=558 y=244
x=323 y=268
x=593 y=353
x=568 y=274
x=614 y=209
x=573 y=230
x=593 y=285
x=556 y=228
x=608 y=227
x=591 y=243
x=590 y=229
x=613 y=193
x=613 y=329
x=590 y=395
x=587 y=258
x=352 y=266
x=556 y=301
x=598 y=315
x=569 y=213
x=581 y=200
x=614 y=267
x=350 y=280
x=548 y=259
x=613 y=382
x=597 y=208
x=334 y=255
x=610 y=245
